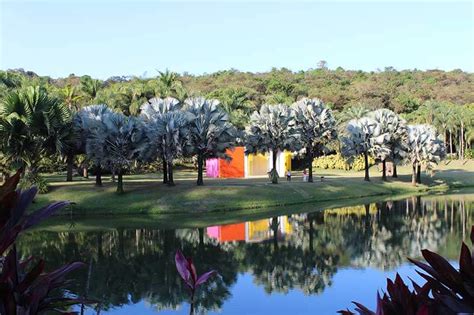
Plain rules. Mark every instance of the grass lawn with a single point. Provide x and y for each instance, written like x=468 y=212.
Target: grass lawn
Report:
x=221 y=198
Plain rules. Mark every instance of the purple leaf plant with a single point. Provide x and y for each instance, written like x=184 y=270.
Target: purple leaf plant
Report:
x=187 y=271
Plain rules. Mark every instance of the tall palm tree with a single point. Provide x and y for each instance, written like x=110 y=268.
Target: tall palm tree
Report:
x=272 y=129
x=211 y=133
x=32 y=124
x=316 y=127
x=151 y=112
x=395 y=128
x=168 y=136
x=118 y=144
x=167 y=83
x=424 y=148
x=70 y=96
x=364 y=136
x=88 y=121
x=90 y=87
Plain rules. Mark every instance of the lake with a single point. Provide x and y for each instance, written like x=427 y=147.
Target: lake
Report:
x=307 y=263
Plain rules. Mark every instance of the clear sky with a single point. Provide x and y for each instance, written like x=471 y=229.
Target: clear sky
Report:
x=105 y=38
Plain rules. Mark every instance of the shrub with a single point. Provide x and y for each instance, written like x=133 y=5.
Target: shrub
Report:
x=338 y=162
x=446 y=291
x=24 y=286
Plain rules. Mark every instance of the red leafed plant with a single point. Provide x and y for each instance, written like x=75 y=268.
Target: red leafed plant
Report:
x=24 y=287
x=452 y=290
x=187 y=271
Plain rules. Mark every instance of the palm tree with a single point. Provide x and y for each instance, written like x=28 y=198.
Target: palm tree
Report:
x=167 y=83
x=364 y=136
x=118 y=144
x=424 y=148
x=211 y=133
x=151 y=112
x=89 y=121
x=32 y=124
x=70 y=96
x=90 y=87
x=170 y=135
x=316 y=127
x=272 y=129
x=395 y=127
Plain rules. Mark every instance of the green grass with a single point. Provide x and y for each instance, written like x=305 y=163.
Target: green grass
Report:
x=221 y=198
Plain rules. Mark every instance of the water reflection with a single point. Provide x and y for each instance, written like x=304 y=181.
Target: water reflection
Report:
x=300 y=252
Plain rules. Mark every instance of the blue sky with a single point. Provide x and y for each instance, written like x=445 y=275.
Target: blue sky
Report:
x=105 y=38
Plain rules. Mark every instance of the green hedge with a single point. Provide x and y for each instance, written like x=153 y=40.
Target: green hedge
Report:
x=336 y=161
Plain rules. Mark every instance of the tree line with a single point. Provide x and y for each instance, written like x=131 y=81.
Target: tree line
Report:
x=34 y=124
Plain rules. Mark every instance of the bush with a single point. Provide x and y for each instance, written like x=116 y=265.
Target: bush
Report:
x=338 y=162
x=36 y=180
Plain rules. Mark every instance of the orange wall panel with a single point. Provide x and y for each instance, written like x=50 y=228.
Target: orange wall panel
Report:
x=234 y=168
x=232 y=232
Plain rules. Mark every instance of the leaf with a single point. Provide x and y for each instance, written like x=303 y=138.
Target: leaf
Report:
x=205 y=276
x=182 y=266
x=465 y=261
x=44 y=213
x=31 y=276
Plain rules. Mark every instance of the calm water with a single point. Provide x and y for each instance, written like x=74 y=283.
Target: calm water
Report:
x=310 y=263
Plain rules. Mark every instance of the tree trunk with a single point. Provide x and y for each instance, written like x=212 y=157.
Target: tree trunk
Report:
x=413 y=174
x=200 y=161
x=85 y=172
x=98 y=175
x=309 y=152
x=366 y=166
x=384 y=170
x=394 y=167
x=170 y=174
x=418 y=173
x=450 y=142
x=120 y=181
x=165 y=171
x=461 y=145
x=70 y=166
x=274 y=171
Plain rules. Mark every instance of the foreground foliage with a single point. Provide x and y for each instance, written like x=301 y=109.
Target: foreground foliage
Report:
x=24 y=286
x=447 y=290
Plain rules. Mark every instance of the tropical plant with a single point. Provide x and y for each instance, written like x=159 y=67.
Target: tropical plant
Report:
x=187 y=271
x=151 y=112
x=168 y=136
x=90 y=87
x=69 y=96
x=364 y=136
x=424 y=149
x=89 y=121
x=447 y=290
x=236 y=103
x=350 y=113
x=211 y=133
x=272 y=129
x=395 y=127
x=118 y=144
x=32 y=124
x=24 y=286
x=316 y=127
x=168 y=83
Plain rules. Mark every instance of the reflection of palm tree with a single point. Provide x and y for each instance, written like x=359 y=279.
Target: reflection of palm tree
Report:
x=137 y=265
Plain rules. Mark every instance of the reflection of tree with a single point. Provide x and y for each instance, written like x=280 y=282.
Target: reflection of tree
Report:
x=132 y=265
x=127 y=266
x=291 y=264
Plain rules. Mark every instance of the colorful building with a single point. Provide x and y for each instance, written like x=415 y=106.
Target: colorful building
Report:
x=255 y=231
x=244 y=166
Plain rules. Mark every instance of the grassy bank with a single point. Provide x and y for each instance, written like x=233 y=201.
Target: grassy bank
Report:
x=145 y=194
